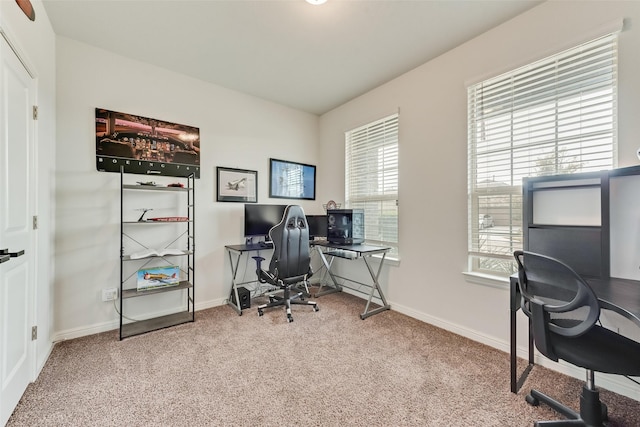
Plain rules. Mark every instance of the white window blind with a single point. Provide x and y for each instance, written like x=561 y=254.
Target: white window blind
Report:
x=372 y=178
x=554 y=116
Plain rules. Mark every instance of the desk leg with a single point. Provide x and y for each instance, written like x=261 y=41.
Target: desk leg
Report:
x=234 y=288
x=327 y=265
x=513 y=353
x=321 y=274
x=516 y=383
x=376 y=286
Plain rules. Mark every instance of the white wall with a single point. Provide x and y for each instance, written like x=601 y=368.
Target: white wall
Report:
x=35 y=43
x=429 y=283
x=236 y=131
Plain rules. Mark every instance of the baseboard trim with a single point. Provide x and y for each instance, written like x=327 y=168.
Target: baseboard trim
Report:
x=97 y=328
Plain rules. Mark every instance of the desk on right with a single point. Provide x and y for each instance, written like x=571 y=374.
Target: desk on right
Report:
x=353 y=252
x=621 y=296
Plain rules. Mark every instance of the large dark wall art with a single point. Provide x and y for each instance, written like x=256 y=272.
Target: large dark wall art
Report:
x=145 y=146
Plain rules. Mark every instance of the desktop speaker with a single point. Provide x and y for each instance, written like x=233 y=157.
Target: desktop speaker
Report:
x=345 y=226
x=244 y=295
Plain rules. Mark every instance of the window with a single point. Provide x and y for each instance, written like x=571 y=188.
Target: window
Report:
x=555 y=116
x=371 y=174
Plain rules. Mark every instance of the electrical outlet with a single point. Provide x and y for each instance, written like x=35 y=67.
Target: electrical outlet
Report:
x=109 y=294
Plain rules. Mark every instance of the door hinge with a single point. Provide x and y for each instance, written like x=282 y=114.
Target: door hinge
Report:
x=34 y=333
x=35 y=222
x=35 y=112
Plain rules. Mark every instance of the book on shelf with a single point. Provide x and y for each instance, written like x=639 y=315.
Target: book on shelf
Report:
x=158 y=277
x=169 y=219
x=155 y=252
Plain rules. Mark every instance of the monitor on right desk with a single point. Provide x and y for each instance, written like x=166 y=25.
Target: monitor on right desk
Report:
x=345 y=226
x=317 y=226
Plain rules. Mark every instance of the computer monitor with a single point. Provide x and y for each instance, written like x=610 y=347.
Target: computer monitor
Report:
x=317 y=225
x=258 y=219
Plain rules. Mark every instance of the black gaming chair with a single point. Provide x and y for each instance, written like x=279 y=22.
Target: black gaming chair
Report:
x=564 y=312
x=291 y=260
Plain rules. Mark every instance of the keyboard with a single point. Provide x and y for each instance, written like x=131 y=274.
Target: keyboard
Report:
x=342 y=253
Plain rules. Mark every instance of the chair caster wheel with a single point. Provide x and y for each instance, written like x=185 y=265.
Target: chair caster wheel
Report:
x=260 y=313
x=316 y=308
x=532 y=400
x=289 y=319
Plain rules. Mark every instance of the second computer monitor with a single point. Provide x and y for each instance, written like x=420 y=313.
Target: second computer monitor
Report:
x=317 y=226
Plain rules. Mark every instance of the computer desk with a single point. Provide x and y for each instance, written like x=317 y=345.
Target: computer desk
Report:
x=353 y=252
x=331 y=250
x=618 y=295
x=235 y=254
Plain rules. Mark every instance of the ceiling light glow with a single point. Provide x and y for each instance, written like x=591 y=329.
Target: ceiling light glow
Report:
x=316 y=2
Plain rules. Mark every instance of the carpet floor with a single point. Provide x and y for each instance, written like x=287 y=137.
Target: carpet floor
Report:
x=327 y=368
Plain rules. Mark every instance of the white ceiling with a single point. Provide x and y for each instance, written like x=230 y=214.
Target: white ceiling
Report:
x=312 y=58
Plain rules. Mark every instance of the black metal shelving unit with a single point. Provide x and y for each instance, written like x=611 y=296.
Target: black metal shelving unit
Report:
x=136 y=323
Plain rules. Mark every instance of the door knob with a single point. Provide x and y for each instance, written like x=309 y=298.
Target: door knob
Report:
x=5 y=255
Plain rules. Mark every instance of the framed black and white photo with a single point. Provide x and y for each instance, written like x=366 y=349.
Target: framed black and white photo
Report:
x=291 y=180
x=237 y=185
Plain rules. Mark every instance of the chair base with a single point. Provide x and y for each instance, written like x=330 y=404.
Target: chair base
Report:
x=593 y=413
x=286 y=300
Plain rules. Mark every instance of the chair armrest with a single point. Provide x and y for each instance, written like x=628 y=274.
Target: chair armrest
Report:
x=259 y=271
x=539 y=321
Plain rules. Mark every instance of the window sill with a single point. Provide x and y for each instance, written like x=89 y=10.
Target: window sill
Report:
x=486 y=279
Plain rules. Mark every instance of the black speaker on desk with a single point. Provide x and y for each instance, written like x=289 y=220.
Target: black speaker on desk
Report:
x=244 y=295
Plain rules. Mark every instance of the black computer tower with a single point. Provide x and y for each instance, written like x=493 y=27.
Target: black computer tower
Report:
x=244 y=295
x=345 y=226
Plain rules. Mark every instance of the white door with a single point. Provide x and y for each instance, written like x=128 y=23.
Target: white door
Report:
x=16 y=224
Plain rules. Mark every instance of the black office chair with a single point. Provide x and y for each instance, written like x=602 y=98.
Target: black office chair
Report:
x=564 y=313
x=291 y=260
